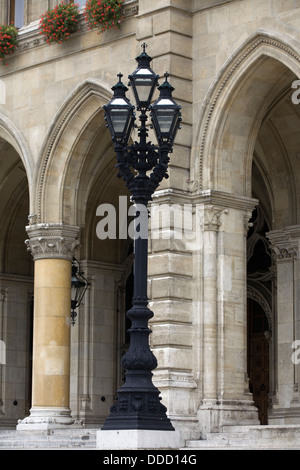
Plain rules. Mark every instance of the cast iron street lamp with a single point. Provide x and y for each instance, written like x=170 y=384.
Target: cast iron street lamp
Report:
x=142 y=166
x=79 y=286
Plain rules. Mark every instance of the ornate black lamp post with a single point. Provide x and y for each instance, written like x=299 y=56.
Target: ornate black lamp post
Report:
x=142 y=166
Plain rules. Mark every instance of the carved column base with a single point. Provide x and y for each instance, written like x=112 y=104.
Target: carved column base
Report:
x=41 y=419
x=214 y=416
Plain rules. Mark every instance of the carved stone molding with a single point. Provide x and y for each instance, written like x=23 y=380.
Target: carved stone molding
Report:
x=247 y=223
x=285 y=243
x=3 y=295
x=225 y=201
x=44 y=419
x=283 y=254
x=173 y=379
x=52 y=241
x=85 y=400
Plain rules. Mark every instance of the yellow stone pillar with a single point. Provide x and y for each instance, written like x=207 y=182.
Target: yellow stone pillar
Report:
x=52 y=247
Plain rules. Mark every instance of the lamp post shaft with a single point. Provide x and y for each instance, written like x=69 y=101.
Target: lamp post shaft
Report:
x=138 y=405
x=140 y=269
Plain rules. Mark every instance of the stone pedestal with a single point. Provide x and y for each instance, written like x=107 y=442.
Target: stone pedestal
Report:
x=138 y=439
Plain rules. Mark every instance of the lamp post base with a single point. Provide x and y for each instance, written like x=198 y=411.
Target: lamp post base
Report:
x=138 y=411
x=136 y=423
x=138 y=405
x=138 y=440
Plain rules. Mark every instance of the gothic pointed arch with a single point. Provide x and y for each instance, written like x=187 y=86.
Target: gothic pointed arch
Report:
x=16 y=176
x=259 y=73
x=69 y=137
x=10 y=133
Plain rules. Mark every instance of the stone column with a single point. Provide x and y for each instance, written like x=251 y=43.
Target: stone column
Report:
x=236 y=404
x=210 y=319
x=52 y=247
x=285 y=248
x=207 y=412
x=225 y=396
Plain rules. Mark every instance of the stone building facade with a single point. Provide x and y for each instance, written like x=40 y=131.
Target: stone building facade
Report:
x=224 y=288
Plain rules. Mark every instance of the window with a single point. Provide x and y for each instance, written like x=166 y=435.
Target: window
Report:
x=16 y=12
x=81 y=3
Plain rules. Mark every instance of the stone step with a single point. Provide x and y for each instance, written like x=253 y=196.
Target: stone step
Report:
x=53 y=434
x=275 y=437
x=58 y=439
x=251 y=437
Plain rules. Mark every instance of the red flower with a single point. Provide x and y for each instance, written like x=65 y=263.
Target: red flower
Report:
x=59 y=23
x=106 y=14
x=8 y=40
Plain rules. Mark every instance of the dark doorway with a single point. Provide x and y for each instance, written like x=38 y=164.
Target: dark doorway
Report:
x=259 y=277
x=258 y=358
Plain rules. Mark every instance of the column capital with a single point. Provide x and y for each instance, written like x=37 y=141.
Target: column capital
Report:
x=212 y=218
x=285 y=243
x=52 y=240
